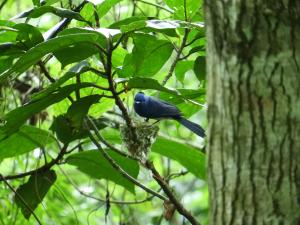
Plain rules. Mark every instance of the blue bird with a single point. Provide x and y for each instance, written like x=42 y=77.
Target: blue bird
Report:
x=149 y=107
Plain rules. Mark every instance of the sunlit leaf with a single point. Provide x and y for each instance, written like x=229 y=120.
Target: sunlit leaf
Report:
x=33 y=55
x=191 y=158
x=39 y=11
x=25 y=140
x=95 y=165
x=148 y=56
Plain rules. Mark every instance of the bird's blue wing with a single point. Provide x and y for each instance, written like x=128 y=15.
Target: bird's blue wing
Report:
x=160 y=109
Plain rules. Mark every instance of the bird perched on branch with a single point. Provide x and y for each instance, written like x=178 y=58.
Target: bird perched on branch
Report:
x=152 y=108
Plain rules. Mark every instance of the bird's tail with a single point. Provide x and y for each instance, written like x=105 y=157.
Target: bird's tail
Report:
x=192 y=126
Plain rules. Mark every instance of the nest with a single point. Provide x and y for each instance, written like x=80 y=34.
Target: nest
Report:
x=146 y=135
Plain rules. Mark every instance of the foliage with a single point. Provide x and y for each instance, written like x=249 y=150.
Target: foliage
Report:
x=68 y=74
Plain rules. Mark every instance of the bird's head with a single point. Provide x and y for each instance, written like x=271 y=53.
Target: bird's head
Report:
x=139 y=98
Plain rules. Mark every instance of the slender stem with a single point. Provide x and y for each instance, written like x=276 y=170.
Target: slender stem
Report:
x=97 y=132
x=156 y=5
x=166 y=188
x=121 y=170
x=21 y=199
x=3 y=4
x=42 y=168
x=179 y=51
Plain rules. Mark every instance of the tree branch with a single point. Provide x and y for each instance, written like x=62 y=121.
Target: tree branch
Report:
x=172 y=68
x=43 y=168
x=166 y=188
x=122 y=171
x=21 y=199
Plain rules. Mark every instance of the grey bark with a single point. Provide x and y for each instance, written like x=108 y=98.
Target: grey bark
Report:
x=253 y=73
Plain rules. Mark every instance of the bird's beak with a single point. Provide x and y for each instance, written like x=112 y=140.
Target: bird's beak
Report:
x=137 y=102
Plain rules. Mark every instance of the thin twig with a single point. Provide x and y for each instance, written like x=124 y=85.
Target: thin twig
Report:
x=97 y=132
x=172 y=68
x=166 y=188
x=156 y=5
x=3 y=4
x=121 y=170
x=42 y=168
x=21 y=199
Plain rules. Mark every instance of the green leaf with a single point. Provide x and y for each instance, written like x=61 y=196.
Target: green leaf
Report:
x=95 y=165
x=127 y=21
x=17 y=117
x=10 y=49
x=191 y=158
x=105 y=6
x=63 y=129
x=8 y=33
x=28 y=35
x=196 y=49
x=163 y=26
x=36 y=53
x=39 y=11
x=71 y=54
x=200 y=68
x=79 y=109
x=75 y=70
x=36 y=2
x=34 y=191
x=181 y=68
x=25 y=140
x=148 y=83
x=148 y=56
x=192 y=7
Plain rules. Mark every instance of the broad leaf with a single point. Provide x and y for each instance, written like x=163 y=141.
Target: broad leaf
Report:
x=75 y=70
x=148 y=56
x=36 y=53
x=25 y=140
x=95 y=165
x=28 y=35
x=181 y=68
x=79 y=109
x=148 y=83
x=105 y=6
x=39 y=11
x=191 y=158
x=33 y=192
x=17 y=117
x=163 y=26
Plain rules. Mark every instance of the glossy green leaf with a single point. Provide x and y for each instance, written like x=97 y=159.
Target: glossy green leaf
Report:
x=192 y=7
x=28 y=35
x=75 y=53
x=33 y=191
x=191 y=158
x=200 y=68
x=39 y=11
x=25 y=140
x=127 y=21
x=95 y=165
x=36 y=2
x=77 y=69
x=148 y=56
x=36 y=53
x=105 y=6
x=17 y=117
x=163 y=26
x=79 y=109
x=8 y=33
x=148 y=83
x=181 y=68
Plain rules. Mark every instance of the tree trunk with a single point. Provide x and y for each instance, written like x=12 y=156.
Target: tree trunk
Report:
x=253 y=67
